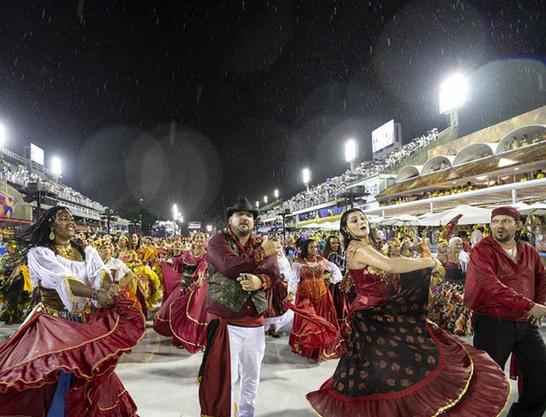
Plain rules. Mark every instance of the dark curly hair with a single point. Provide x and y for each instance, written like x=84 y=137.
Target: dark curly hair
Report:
x=305 y=248
x=38 y=233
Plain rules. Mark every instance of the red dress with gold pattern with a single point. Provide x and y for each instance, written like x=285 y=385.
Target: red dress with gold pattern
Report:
x=398 y=364
x=184 y=316
x=315 y=328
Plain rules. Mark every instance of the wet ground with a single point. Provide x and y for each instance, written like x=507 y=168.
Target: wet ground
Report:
x=161 y=378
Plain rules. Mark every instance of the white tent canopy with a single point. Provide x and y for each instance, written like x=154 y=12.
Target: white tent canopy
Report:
x=536 y=208
x=470 y=215
x=402 y=220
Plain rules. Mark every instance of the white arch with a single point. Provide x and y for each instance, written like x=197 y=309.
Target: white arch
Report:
x=436 y=162
x=407 y=172
x=529 y=130
x=474 y=151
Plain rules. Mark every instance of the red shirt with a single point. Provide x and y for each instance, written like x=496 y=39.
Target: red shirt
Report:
x=498 y=286
x=230 y=263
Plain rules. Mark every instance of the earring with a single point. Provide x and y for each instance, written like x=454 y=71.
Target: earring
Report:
x=52 y=235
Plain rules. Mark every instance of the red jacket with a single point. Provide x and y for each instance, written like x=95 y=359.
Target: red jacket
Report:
x=227 y=256
x=499 y=287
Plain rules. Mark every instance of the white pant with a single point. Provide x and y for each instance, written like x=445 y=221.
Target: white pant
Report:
x=247 y=348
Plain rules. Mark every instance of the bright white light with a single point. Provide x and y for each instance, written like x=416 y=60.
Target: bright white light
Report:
x=257 y=204
x=56 y=165
x=175 y=211
x=350 y=150
x=265 y=199
x=454 y=92
x=2 y=135
x=209 y=228
x=306 y=174
x=276 y=193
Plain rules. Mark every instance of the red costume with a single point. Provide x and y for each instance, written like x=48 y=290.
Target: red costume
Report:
x=33 y=357
x=398 y=364
x=308 y=338
x=228 y=304
x=497 y=286
x=183 y=316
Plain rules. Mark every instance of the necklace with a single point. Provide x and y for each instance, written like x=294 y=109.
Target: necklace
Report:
x=197 y=254
x=513 y=253
x=314 y=268
x=65 y=251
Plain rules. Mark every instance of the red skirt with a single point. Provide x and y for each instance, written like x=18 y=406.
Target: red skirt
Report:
x=315 y=329
x=184 y=318
x=31 y=359
x=398 y=364
x=171 y=280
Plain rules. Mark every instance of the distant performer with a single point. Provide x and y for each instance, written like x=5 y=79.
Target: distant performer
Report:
x=506 y=289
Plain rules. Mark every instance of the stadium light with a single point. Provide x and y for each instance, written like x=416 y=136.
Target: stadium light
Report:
x=306 y=175
x=276 y=194
x=257 y=204
x=175 y=210
x=265 y=199
x=350 y=152
x=56 y=166
x=2 y=135
x=454 y=92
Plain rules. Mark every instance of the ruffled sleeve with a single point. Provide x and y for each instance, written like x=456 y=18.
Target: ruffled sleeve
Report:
x=48 y=272
x=294 y=278
x=284 y=268
x=334 y=270
x=95 y=271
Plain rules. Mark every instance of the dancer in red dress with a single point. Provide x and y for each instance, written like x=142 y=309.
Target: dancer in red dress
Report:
x=398 y=364
x=311 y=276
x=183 y=316
x=61 y=361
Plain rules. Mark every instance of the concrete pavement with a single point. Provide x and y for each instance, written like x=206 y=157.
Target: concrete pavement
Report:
x=161 y=378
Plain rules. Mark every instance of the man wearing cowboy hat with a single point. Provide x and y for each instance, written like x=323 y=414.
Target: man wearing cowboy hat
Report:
x=506 y=289
x=241 y=268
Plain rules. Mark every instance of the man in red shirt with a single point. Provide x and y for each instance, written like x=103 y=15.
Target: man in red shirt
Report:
x=506 y=289
x=241 y=269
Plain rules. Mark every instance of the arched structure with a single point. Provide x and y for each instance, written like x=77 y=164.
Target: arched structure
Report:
x=530 y=131
x=407 y=172
x=474 y=151
x=437 y=163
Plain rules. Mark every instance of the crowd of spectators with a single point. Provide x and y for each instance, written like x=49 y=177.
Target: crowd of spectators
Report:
x=20 y=175
x=332 y=188
x=525 y=140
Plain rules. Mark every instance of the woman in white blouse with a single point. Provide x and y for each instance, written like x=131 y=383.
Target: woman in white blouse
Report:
x=61 y=361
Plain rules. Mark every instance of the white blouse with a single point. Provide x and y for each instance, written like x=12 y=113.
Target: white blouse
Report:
x=284 y=267
x=329 y=266
x=52 y=271
x=118 y=268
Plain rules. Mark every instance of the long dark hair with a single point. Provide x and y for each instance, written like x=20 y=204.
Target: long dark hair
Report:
x=347 y=237
x=38 y=233
x=305 y=248
x=328 y=246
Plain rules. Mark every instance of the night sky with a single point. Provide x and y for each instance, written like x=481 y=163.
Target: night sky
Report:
x=198 y=102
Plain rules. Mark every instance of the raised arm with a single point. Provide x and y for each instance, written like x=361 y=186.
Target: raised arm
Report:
x=367 y=255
